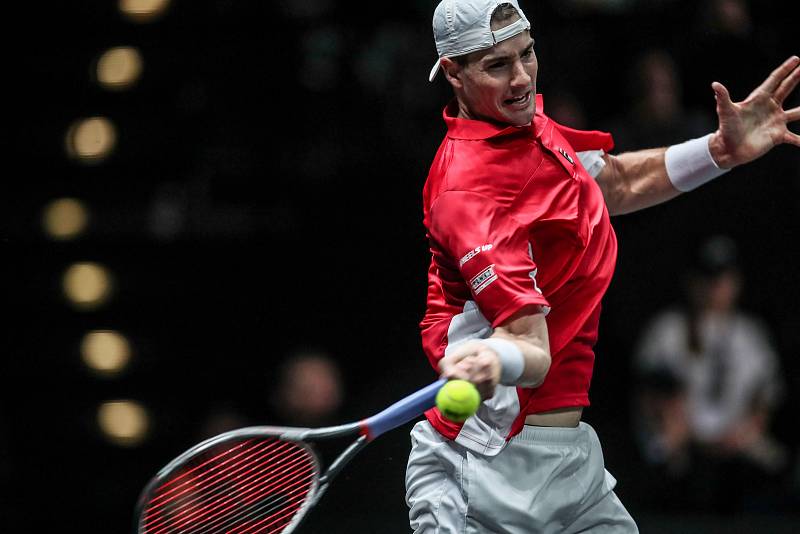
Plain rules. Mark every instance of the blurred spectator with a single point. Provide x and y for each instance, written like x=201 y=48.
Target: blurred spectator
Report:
x=306 y=390
x=309 y=390
x=708 y=382
x=726 y=37
x=656 y=115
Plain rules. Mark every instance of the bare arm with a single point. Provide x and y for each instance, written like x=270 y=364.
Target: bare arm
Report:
x=478 y=363
x=747 y=130
x=635 y=180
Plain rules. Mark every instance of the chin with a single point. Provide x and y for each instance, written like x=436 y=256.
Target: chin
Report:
x=520 y=119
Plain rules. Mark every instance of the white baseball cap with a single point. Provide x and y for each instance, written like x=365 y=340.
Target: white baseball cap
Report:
x=464 y=26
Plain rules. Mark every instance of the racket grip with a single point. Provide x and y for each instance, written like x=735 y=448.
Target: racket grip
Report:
x=401 y=411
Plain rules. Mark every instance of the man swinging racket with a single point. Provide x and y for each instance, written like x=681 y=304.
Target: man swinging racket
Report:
x=516 y=209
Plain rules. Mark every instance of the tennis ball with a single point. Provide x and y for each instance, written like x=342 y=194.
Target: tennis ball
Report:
x=458 y=400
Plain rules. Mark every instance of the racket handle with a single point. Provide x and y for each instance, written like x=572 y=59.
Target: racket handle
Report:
x=401 y=411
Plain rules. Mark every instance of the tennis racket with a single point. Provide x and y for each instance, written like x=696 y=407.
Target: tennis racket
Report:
x=259 y=479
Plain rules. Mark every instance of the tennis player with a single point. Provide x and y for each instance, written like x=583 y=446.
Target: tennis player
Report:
x=516 y=209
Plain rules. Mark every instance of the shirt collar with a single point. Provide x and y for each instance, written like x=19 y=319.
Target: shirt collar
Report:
x=458 y=128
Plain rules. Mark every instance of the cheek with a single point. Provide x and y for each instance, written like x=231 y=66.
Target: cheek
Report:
x=533 y=70
x=484 y=95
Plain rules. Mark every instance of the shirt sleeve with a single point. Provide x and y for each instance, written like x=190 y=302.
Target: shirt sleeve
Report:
x=490 y=249
x=583 y=140
x=592 y=161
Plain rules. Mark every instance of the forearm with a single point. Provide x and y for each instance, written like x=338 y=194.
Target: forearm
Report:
x=636 y=180
x=529 y=335
x=517 y=353
x=747 y=130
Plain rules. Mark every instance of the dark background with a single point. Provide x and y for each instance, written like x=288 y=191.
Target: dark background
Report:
x=293 y=140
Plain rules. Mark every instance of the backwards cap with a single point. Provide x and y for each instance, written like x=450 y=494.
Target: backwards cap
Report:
x=464 y=26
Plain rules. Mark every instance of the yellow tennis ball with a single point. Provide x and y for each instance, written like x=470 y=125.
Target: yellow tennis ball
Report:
x=458 y=400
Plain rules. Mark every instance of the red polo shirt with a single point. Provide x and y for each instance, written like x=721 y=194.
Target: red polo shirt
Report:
x=515 y=222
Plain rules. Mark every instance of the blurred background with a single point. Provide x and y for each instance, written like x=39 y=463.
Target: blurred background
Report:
x=212 y=218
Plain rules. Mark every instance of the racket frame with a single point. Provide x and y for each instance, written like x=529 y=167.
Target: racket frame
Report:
x=367 y=430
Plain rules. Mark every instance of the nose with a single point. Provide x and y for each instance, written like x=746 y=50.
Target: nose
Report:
x=520 y=77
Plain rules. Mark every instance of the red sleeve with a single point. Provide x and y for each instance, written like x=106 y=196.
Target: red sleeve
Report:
x=581 y=140
x=491 y=250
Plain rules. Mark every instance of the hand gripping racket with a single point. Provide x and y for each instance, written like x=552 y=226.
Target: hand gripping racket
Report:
x=259 y=479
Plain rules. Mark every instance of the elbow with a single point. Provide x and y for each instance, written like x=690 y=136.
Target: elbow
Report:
x=613 y=209
x=614 y=197
x=621 y=190
x=536 y=369
x=545 y=362
x=623 y=196
x=617 y=208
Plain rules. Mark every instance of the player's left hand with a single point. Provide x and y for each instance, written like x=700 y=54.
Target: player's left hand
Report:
x=751 y=128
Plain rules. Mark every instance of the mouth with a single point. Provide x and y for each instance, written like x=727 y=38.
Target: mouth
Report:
x=519 y=102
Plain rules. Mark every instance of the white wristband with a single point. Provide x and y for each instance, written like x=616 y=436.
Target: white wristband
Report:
x=690 y=165
x=511 y=359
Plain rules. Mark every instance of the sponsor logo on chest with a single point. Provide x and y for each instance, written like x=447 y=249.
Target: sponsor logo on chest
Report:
x=566 y=155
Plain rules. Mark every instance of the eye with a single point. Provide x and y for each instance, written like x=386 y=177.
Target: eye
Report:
x=497 y=65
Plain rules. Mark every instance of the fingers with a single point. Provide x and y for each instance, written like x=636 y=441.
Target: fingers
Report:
x=787 y=85
x=449 y=367
x=722 y=95
x=486 y=368
x=475 y=363
x=778 y=75
x=791 y=139
x=455 y=367
x=472 y=370
x=475 y=368
x=461 y=352
x=481 y=375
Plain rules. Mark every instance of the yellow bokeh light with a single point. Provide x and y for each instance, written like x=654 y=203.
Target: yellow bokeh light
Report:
x=105 y=351
x=64 y=218
x=91 y=139
x=123 y=422
x=143 y=10
x=119 y=68
x=87 y=285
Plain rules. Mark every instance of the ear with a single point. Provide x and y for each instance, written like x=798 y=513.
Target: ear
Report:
x=452 y=71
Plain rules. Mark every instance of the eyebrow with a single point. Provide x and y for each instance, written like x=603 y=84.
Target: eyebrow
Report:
x=489 y=58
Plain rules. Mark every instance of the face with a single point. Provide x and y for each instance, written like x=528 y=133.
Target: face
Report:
x=718 y=294
x=498 y=84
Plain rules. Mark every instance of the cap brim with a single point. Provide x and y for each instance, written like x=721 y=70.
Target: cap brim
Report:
x=435 y=70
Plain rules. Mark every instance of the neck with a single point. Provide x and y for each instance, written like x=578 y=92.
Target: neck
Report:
x=464 y=112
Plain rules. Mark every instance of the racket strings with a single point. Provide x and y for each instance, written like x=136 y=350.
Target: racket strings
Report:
x=215 y=506
x=268 y=508
x=215 y=463
x=215 y=516
x=188 y=497
x=212 y=480
x=268 y=517
x=218 y=502
x=255 y=486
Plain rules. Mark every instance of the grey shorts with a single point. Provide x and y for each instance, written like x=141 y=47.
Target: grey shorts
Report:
x=546 y=480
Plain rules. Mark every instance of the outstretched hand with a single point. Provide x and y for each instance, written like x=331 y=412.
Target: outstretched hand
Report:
x=751 y=128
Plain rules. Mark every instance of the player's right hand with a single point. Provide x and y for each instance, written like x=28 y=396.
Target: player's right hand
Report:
x=475 y=362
